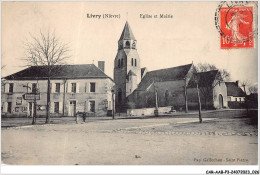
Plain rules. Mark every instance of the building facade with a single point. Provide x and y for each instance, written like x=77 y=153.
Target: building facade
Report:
x=235 y=95
x=74 y=88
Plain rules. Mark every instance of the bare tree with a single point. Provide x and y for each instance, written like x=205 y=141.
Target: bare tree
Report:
x=46 y=50
x=221 y=76
x=253 y=89
x=204 y=67
x=3 y=66
x=196 y=77
x=244 y=84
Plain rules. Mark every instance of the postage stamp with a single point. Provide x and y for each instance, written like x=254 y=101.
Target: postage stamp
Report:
x=235 y=23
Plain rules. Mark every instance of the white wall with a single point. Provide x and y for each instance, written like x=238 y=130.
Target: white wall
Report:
x=147 y=111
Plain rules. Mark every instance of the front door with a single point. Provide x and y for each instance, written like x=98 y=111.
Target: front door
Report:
x=92 y=106
x=220 y=101
x=72 y=108
x=30 y=111
x=9 y=107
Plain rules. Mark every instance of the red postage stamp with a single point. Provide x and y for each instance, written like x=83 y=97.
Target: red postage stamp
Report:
x=236 y=24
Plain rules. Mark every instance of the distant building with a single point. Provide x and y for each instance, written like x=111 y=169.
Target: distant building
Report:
x=236 y=96
x=83 y=88
x=213 y=91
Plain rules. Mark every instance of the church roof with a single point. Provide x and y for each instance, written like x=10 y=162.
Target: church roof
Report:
x=206 y=79
x=142 y=71
x=169 y=74
x=127 y=33
x=59 y=72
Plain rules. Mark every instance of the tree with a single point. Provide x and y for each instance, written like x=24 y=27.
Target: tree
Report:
x=244 y=84
x=253 y=89
x=206 y=84
x=46 y=50
x=198 y=93
x=204 y=67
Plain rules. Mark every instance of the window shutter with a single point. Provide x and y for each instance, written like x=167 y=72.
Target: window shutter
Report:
x=5 y=107
x=69 y=87
x=52 y=107
x=29 y=87
x=106 y=87
x=13 y=87
x=53 y=87
x=86 y=106
x=60 y=107
x=68 y=107
x=38 y=87
x=86 y=87
x=6 y=88
x=95 y=84
x=61 y=87
x=77 y=87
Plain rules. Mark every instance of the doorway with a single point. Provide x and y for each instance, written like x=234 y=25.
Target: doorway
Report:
x=220 y=101
x=72 y=108
x=92 y=106
x=9 y=107
x=30 y=111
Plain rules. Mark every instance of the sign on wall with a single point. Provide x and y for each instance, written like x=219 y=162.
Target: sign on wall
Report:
x=31 y=96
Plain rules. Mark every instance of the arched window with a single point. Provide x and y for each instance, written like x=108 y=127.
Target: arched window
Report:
x=119 y=96
x=127 y=44
x=135 y=63
x=132 y=62
x=118 y=62
x=122 y=62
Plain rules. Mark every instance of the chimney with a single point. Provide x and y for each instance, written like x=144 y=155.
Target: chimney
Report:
x=237 y=83
x=101 y=65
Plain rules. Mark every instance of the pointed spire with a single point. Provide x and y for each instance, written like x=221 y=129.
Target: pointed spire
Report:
x=127 y=33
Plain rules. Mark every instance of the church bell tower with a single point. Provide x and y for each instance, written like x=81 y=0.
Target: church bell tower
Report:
x=127 y=71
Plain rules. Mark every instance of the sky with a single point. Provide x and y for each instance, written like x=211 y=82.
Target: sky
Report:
x=190 y=36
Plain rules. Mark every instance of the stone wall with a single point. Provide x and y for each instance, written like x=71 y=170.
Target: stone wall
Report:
x=147 y=111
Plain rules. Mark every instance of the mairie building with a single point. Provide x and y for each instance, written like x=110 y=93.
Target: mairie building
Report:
x=74 y=88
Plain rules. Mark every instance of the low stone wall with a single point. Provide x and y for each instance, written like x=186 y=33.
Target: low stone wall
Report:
x=147 y=111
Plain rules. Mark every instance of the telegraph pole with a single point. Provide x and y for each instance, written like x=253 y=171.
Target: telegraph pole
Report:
x=156 y=112
x=35 y=104
x=198 y=92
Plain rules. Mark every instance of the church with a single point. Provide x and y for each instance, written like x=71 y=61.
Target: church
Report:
x=136 y=87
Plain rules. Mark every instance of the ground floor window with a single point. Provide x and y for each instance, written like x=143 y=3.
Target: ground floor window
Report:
x=9 y=107
x=56 y=107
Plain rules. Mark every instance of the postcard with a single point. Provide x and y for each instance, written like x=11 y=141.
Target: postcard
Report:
x=130 y=83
